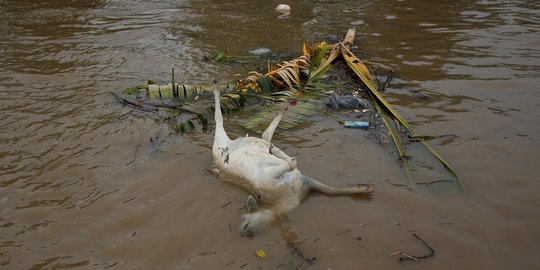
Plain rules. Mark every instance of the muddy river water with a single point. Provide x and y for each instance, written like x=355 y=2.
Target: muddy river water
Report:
x=82 y=187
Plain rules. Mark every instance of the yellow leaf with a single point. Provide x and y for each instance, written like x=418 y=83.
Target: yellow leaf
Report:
x=307 y=49
x=260 y=253
x=321 y=45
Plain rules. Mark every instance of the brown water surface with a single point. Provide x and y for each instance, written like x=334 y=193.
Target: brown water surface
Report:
x=81 y=186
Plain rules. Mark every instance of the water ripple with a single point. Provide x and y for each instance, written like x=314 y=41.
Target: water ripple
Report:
x=71 y=155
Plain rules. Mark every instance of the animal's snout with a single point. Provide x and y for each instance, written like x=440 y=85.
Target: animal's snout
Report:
x=245 y=230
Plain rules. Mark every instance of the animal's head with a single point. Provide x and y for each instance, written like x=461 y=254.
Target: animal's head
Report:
x=215 y=87
x=251 y=221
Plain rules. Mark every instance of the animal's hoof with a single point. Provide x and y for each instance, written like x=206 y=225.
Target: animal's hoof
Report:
x=251 y=205
x=367 y=190
x=215 y=170
x=293 y=164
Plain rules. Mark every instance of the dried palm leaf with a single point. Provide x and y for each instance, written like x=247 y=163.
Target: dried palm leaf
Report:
x=289 y=73
x=250 y=83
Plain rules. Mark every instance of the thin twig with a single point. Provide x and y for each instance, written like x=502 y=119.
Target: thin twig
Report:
x=335 y=117
x=388 y=79
x=434 y=182
x=301 y=242
x=150 y=106
x=344 y=232
x=135 y=154
x=162 y=105
x=133 y=104
x=407 y=256
x=401 y=253
x=417 y=258
x=223 y=206
x=296 y=251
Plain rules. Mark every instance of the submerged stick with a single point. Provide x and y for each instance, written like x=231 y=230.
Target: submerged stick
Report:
x=296 y=251
x=344 y=232
x=434 y=182
x=407 y=257
x=133 y=104
x=151 y=106
x=175 y=88
x=176 y=107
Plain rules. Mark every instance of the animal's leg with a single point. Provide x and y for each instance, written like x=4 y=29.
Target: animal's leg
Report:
x=269 y=132
x=251 y=205
x=221 y=139
x=278 y=170
x=316 y=185
x=280 y=154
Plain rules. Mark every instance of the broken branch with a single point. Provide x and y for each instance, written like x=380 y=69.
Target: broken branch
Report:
x=407 y=257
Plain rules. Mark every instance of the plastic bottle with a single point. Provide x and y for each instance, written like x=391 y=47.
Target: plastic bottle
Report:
x=357 y=124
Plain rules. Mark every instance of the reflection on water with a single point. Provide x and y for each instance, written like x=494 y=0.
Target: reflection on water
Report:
x=81 y=186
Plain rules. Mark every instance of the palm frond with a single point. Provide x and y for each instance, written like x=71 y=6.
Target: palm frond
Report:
x=395 y=138
x=322 y=64
x=296 y=115
x=288 y=74
x=250 y=83
x=363 y=73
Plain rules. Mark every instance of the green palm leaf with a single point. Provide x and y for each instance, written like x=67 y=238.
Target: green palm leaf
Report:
x=361 y=71
x=296 y=114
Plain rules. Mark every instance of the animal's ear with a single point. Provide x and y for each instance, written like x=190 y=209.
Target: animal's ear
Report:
x=251 y=204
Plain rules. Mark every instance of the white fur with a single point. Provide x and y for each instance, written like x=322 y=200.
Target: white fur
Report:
x=264 y=171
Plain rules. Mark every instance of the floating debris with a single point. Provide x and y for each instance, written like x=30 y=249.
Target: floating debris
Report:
x=283 y=8
x=260 y=253
x=265 y=52
x=298 y=84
